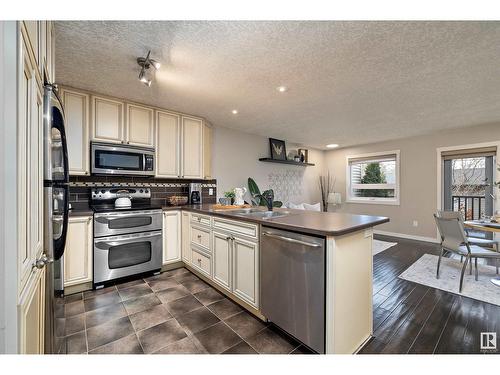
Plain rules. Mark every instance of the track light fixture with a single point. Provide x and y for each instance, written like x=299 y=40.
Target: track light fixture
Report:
x=145 y=63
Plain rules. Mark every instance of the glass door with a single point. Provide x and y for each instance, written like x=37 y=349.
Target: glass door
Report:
x=468 y=183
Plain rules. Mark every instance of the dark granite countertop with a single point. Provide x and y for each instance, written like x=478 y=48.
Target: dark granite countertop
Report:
x=312 y=222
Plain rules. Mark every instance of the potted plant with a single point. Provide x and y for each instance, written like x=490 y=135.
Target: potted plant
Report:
x=229 y=195
x=258 y=198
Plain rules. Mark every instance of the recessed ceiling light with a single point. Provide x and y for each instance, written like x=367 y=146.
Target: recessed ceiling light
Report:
x=332 y=145
x=282 y=88
x=234 y=111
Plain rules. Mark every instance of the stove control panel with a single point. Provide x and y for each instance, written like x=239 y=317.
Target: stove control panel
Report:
x=101 y=194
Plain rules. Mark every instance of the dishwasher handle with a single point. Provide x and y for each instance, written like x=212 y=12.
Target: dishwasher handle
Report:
x=292 y=240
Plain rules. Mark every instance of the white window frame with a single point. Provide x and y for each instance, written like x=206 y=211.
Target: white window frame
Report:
x=374 y=200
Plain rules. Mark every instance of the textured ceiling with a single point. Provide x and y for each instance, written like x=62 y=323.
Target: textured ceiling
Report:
x=349 y=82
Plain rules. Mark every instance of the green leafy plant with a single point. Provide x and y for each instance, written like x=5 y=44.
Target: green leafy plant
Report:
x=229 y=194
x=258 y=198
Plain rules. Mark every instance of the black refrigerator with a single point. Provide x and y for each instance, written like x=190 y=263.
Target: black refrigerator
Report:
x=56 y=201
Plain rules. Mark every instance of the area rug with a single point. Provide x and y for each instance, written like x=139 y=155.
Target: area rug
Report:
x=379 y=246
x=423 y=271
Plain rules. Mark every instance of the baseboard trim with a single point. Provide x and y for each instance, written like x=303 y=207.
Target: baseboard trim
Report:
x=407 y=236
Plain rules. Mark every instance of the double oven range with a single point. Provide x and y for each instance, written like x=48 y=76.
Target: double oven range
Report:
x=127 y=239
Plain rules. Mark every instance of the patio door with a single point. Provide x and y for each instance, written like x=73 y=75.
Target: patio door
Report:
x=468 y=181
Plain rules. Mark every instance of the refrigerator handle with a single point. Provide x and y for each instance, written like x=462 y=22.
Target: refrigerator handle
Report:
x=61 y=241
x=59 y=125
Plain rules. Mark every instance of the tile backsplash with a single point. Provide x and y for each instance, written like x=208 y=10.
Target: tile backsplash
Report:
x=161 y=189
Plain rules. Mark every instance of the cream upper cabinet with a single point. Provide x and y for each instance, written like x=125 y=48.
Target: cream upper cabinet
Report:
x=78 y=252
x=76 y=108
x=222 y=246
x=192 y=148
x=245 y=270
x=140 y=126
x=172 y=239
x=167 y=145
x=186 y=237
x=31 y=315
x=207 y=150
x=107 y=120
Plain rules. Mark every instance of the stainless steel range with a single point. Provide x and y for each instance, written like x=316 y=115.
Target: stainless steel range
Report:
x=127 y=237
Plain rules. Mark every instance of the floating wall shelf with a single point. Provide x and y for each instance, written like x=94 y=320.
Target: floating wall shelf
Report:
x=291 y=162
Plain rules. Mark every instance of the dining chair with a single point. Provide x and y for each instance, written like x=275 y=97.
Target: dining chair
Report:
x=483 y=242
x=453 y=239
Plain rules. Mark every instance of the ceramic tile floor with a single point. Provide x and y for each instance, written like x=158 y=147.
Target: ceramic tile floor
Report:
x=174 y=312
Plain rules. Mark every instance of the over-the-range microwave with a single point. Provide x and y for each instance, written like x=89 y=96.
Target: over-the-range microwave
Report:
x=122 y=160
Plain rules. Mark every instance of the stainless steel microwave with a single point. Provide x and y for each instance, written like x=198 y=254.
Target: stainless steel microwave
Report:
x=122 y=160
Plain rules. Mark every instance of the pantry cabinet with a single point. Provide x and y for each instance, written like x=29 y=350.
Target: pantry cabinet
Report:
x=31 y=315
x=31 y=280
x=172 y=236
x=107 y=120
x=139 y=126
x=167 y=145
x=76 y=106
x=78 y=252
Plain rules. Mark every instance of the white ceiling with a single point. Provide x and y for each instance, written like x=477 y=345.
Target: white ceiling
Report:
x=349 y=82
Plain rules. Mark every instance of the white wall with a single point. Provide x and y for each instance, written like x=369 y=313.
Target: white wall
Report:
x=418 y=171
x=236 y=157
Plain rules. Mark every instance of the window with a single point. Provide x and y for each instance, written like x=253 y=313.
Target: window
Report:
x=373 y=178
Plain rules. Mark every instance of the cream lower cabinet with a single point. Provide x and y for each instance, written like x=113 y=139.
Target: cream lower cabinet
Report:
x=186 y=249
x=222 y=249
x=31 y=311
x=78 y=252
x=245 y=265
x=172 y=239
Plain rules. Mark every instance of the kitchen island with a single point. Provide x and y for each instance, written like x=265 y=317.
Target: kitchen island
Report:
x=225 y=248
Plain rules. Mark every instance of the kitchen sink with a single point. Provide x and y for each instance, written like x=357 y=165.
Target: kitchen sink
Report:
x=265 y=214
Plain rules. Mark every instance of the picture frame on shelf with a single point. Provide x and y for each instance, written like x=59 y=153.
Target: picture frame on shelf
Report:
x=278 y=149
x=304 y=155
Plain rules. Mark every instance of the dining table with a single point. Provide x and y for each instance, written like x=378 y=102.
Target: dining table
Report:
x=485 y=226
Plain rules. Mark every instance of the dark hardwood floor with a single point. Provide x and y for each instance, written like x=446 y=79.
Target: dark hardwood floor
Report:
x=412 y=318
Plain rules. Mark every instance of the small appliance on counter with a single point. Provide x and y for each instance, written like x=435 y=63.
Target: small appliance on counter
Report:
x=195 y=193
x=127 y=233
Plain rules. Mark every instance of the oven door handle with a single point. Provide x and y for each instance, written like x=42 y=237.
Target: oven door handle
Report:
x=106 y=242
x=107 y=217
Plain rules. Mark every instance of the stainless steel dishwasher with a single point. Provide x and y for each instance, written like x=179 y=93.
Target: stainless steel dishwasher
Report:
x=293 y=284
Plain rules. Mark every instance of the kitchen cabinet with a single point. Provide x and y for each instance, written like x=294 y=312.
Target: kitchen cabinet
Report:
x=167 y=145
x=246 y=270
x=139 y=126
x=222 y=248
x=30 y=162
x=186 y=249
x=31 y=315
x=172 y=239
x=192 y=148
x=207 y=151
x=107 y=120
x=201 y=261
x=76 y=108
x=78 y=253
x=232 y=254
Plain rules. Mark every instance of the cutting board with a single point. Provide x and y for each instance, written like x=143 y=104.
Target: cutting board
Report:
x=229 y=207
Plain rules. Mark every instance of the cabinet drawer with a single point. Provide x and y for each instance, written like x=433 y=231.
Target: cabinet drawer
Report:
x=201 y=262
x=237 y=227
x=201 y=219
x=200 y=236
